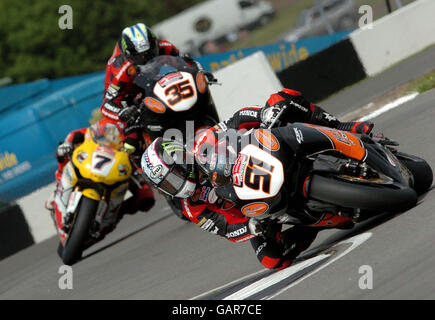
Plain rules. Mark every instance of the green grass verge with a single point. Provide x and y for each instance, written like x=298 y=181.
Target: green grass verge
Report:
x=423 y=84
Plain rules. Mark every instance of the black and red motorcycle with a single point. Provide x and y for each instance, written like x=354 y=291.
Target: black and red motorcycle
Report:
x=337 y=178
x=175 y=101
x=174 y=95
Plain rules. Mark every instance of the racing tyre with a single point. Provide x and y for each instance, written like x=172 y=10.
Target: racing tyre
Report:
x=368 y=197
x=420 y=169
x=74 y=246
x=60 y=250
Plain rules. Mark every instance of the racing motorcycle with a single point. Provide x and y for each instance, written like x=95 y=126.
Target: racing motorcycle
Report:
x=174 y=92
x=91 y=190
x=336 y=178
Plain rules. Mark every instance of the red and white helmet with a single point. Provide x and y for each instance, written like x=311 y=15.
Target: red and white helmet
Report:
x=165 y=163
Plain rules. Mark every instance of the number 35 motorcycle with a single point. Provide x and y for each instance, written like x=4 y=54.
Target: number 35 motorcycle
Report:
x=175 y=100
x=91 y=190
x=173 y=92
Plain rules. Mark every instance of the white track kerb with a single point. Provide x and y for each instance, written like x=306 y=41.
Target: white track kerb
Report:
x=390 y=106
x=396 y=36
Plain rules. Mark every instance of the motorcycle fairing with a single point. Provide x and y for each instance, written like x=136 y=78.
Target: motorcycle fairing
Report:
x=312 y=138
x=103 y=164
x=181 y=95
x=262 y=176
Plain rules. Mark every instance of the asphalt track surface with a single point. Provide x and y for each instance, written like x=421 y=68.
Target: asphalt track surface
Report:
x=155 y=255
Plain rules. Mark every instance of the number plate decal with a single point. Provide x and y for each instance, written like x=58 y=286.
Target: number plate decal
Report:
x=263 y=174
x=180 y=95
x=102 y=163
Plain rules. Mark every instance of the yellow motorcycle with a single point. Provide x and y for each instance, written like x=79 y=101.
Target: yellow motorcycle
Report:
x=91 y=190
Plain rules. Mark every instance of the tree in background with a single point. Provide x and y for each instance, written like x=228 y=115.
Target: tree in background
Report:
x=32 y=45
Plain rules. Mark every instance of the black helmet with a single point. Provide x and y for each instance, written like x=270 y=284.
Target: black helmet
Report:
x=139 y=43
x=166 y=164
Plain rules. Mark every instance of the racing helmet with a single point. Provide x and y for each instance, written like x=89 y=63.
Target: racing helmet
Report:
x=139 y=43
x=165 y=163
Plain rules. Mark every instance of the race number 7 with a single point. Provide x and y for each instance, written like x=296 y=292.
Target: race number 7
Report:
x=102 y=161
x=179 y=91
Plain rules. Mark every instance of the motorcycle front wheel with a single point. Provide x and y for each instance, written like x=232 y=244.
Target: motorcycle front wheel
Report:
x=74 y=245
x=420 y=169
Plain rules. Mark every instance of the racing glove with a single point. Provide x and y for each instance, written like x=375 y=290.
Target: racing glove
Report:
x=188 y=58
x=269 y=116
x=131 y=145
x=128 y=115
x=356 y=127
x=64 y=149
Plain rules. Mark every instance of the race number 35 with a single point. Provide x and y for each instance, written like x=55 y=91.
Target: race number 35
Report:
x=178 y=92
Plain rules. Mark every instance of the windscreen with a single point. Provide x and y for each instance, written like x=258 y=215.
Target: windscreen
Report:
x=161 y=66
x=106 y=134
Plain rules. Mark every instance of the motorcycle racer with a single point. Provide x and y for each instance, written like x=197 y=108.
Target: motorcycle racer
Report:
x=138 y=44
x=198 y=185
x=142 y=196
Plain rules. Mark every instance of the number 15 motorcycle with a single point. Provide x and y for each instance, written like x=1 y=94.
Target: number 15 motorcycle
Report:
x=91 y=190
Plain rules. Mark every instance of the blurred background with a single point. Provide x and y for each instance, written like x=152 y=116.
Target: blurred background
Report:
x=33 y=47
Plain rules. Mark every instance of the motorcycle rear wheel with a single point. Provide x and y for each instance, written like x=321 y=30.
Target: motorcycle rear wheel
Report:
x=367 y=197
x=74 y=245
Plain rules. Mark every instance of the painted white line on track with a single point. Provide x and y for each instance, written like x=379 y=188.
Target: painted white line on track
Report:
x=281 y=275
x=355 y=242
x=274 y=278
x=229 y=284
x=390 y=106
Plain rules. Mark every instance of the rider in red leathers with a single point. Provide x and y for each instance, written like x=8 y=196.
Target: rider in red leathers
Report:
x=194 y=189
x=142 y=198
x=138 y=45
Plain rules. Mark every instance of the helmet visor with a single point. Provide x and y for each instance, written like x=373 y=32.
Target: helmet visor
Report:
x=143 y=57
x=171 y=184
x=176 y=183
x=168 y=176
